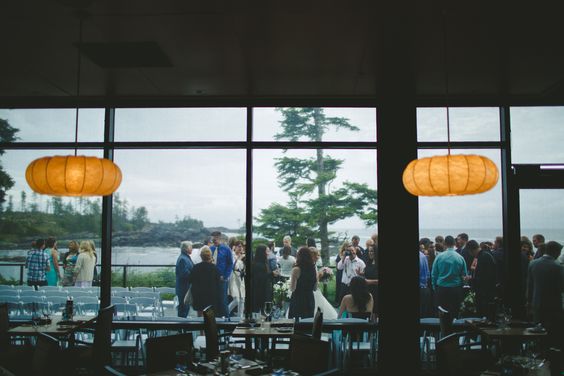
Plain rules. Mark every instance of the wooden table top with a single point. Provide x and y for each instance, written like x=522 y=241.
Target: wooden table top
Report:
x=52 y=329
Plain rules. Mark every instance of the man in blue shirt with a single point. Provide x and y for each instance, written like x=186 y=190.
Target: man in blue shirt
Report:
x=447 y=276
x=223 y=259
x=184 y=267
x=37 y=264
x=425 y=299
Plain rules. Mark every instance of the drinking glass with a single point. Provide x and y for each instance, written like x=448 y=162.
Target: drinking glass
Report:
x=268 y=309
x=181 y=361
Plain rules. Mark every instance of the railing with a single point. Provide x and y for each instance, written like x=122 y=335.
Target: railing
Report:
x=124 y=272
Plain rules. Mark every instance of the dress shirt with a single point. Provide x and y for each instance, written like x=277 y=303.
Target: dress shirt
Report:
x=449 y=269
x=350 y=268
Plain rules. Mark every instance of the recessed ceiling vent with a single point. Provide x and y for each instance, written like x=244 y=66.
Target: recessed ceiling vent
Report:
x=126 y=54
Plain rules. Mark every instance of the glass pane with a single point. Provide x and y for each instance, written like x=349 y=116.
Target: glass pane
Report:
x=170 y=196
x=466 y=124
x=287 y=202
x=537 y=134
x=541 y=213
x=27 y=216
x=56 y=125
x=478 y=216
x=332 y=124
x=181 y=124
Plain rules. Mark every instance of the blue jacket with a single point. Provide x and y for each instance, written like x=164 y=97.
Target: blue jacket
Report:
x=224 y=261
x=184 y=267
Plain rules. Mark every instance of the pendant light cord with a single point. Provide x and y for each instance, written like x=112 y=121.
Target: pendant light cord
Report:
x=78 y=85
x=446 y=76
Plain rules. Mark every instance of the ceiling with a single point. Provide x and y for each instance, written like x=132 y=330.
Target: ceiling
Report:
x=294 y=48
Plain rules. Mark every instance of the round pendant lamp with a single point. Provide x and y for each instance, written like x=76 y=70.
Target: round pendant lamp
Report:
x=74 y=175
x=449 y=175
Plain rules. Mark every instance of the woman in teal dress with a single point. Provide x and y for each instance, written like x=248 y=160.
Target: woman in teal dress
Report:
x=54 y=274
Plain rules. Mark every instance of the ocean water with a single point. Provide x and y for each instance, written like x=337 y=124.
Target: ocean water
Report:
x=168 y=255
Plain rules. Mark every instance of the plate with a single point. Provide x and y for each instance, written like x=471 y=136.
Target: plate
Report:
x=536 y=329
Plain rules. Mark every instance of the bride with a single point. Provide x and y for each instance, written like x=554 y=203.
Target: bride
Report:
x=329 y=312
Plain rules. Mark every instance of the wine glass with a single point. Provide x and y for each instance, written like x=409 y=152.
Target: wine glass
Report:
x=267 y=309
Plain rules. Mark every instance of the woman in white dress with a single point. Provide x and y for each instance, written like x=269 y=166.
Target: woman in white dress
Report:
x=329 y=312
x=237 y=280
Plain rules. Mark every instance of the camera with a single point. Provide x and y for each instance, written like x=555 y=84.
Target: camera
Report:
x=347 y=253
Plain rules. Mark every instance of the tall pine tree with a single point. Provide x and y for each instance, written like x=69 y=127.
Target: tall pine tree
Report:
x=312 y=207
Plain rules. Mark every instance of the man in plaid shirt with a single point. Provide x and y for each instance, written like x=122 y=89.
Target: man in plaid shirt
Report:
x=37 y=264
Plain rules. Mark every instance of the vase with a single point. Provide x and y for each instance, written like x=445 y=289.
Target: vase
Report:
x=279 y=311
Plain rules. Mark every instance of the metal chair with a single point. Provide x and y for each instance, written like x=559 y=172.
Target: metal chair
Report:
x=145 y=305
x=142 y=289
x=46 y=357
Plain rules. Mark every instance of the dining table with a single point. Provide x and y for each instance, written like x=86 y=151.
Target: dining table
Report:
x=509 y=336
x=240 y=367
x=54 y=326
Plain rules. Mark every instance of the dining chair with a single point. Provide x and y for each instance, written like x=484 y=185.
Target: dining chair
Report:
x=445 y=322
x=142 y=289
x=161 y=351
x=46 y=359
x=317 y=324
x=96 y=355
x=9 y=292
x=456 y=358
x=359 y=344
x=303 y=349
x=210 y=332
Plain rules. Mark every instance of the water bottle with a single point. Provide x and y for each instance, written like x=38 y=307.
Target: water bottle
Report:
x=71 y=309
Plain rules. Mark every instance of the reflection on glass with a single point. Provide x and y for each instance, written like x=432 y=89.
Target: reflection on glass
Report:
x=537 y=135
x=315 y=124
x=181 y=124
x=541 y=213
x=466 y=124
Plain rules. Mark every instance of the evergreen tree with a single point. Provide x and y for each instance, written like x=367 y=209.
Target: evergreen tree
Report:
x=306 y=180
x=23 y=203
x=7 y=134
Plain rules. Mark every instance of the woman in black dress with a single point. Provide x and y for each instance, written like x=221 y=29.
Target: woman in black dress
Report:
x=204 y=280
x=303 y=281
x=262 y=278
x=371 y=275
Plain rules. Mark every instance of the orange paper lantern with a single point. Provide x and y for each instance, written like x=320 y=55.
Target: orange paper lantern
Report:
x=450 y=175
x=73 y=176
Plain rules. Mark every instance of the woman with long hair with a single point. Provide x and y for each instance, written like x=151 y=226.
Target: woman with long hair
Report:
x=359 y=300
x=262 y=278
x=204 y=280
x=303 y=281
x=371 y=275
x=54 y=274
x=69 y=261
x=84 y=268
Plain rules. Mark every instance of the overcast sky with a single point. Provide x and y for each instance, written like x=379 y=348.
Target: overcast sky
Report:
x=210 y=184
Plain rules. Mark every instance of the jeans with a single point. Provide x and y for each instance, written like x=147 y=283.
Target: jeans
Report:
x=183 y=309
x=223 y=309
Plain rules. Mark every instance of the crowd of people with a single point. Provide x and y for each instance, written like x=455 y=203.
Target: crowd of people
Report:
x=450 y=265
x=218 y=280
x=79 y=263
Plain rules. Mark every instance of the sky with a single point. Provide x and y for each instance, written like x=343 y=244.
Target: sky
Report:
x=210 y=184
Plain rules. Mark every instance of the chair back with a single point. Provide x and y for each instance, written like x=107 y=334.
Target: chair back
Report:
x=210 y=331
x=445 y=322
x=46 y=356
x=103 y=337
x=317 y=324
x=4 y=327
x=361 y=315
x=303 y=349
x=454 y=358
x=161 y=351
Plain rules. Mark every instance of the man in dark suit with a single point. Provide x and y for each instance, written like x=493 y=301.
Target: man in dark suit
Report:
x=544 y=289
x=462 y=250
x=483 y=277
x=184 y=267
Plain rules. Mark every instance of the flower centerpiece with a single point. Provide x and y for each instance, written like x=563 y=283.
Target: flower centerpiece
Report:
x=468 y=305
x=325 y=274
x=281 y=292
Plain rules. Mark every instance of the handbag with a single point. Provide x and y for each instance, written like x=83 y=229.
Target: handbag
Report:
x=188 y=297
